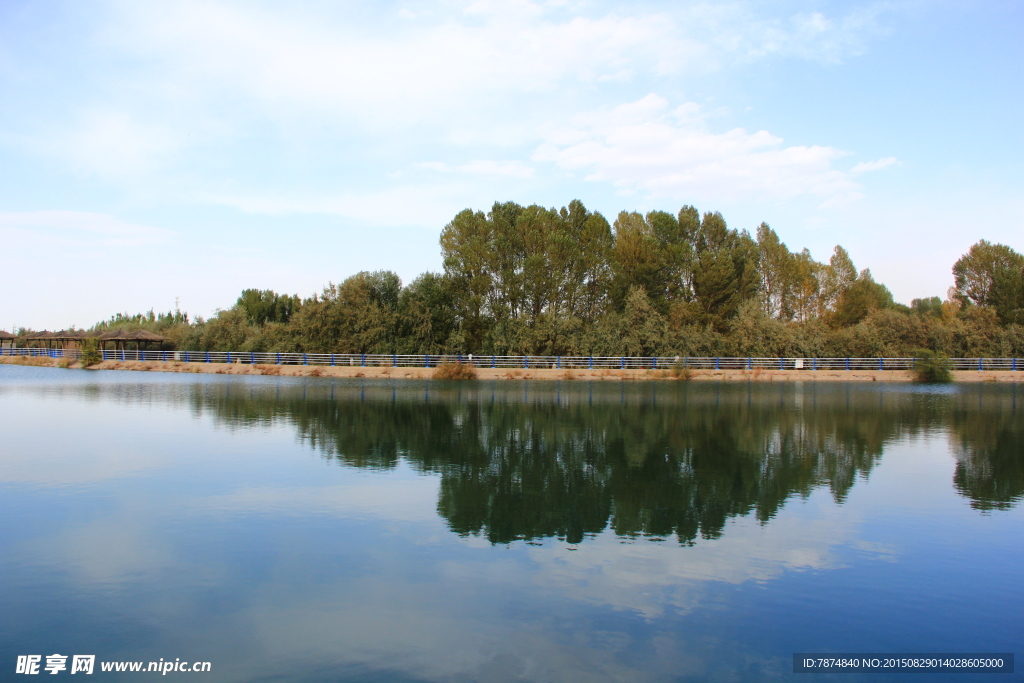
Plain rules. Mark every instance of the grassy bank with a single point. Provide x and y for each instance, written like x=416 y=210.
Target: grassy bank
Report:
x=755 y=375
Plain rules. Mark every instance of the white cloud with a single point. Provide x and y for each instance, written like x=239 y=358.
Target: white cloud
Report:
x=453 y=58
x=394 y=499
x=82 y=227
x=188 y=99
x=483 y=167
x=114 y=144
x=429 y=203
x=868 y=166
x=647 y=577
x=644 y=146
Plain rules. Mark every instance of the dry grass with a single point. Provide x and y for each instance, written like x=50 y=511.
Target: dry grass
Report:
x=454 y=371
x=568 y=375
x=35 y=361
x=681 y=372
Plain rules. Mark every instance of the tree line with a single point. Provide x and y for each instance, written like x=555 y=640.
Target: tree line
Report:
x=545 y=281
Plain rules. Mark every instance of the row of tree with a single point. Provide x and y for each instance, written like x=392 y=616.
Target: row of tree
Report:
x=534 y=280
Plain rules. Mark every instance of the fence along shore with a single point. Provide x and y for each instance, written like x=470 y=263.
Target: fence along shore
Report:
x=520 y=367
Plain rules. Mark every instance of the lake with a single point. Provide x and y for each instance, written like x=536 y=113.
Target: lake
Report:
x=288 y=529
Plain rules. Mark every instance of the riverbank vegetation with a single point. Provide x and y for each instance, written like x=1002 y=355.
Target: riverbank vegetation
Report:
x=535 y=280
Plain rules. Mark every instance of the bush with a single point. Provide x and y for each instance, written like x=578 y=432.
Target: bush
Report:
x=931 y=367
x=90 y=352
x=680 y=371
x=454 y=371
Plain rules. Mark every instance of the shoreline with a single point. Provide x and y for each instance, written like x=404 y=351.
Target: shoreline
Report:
x=755 y=375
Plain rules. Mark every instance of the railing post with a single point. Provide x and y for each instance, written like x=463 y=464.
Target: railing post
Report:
x=622 y=365
x=362 y=360
x=426 y=361
x=122 y=354
x=654 y=363
x=847 y=363
x=252 y=358
x=718 y=363
x=591 y=363
x=558 y=362
x=880 y=364
x=815 y=362
x=526 y=361
x=278 y=357
x=207 y=356
x=305 y=359
x=229 y=356
x=979 y=365
x=394 y=360
x=750 y=363
x=332 y=359
x=1013 y=365
x=782 y=364
x=186 y=357
x=493 y=363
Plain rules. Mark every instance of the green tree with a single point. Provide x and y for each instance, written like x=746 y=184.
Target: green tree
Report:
x=466 y=245
x=427 y=320
x=262 y=306
x=976 y=273
x=581 y=251
x=861 y=298
x=927 y=308
x=358 y=316
x=838 y=276
x=636 y=260
x=642 y=327
x=725 y=269
x=775 y=264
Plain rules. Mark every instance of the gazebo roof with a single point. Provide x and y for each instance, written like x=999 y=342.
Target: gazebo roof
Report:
x=137 y=335
x=65 y=335
x=6 y=335
x=146 y=335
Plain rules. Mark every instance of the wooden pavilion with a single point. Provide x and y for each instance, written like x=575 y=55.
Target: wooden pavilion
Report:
x=8 y=338
x=121 y=339
x=37 y=339
x=66 y=339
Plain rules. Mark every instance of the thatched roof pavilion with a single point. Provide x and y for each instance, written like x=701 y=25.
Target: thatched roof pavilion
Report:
x=40 y=337
x=120 y=338
x=63 y=338
x=7 y=337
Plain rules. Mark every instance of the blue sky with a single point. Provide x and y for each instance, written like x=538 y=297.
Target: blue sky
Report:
x=154 y=151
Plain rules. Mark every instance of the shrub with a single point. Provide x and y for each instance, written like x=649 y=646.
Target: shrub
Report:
x=931 y=367
x=90 y=353
x=680 y=371
x=454 y=371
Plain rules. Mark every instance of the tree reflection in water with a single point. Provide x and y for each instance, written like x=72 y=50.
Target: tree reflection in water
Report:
x=532 y=460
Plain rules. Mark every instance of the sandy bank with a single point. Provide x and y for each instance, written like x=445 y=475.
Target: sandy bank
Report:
x=759 y=375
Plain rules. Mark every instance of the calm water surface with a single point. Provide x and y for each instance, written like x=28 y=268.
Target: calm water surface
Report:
x=316 y=530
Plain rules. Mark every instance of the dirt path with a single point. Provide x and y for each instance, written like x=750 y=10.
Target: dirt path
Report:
x=759 y=375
